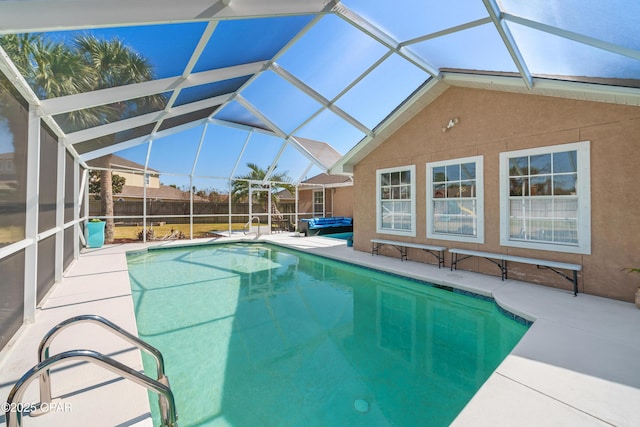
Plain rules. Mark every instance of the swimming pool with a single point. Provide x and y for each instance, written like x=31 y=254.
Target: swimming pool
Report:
x=255 y=334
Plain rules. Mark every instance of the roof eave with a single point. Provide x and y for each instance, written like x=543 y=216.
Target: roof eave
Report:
x=562 y=87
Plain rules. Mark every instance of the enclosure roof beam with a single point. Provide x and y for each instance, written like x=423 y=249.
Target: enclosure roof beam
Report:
x=90 y=155
x=505 y=33
x=385 y=39
x=590 y=41
x=145 y=119
x=45 y=15
x=274 y=164
x=319 y=98
x=195 y=55
x=80 y=101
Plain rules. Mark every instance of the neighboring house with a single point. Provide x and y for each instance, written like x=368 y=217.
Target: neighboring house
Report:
x=135 y=180
x=323 y=195
x=8 y=179
x=489 y=169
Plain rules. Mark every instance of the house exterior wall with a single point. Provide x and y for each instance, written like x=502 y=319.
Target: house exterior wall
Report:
x=338 y=201
x=305 y=203
x=342 y=201
x=137 y=180
x=494 y=122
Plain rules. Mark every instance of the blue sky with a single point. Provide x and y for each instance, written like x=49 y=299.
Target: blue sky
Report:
x=329 y=70
x=333 y=53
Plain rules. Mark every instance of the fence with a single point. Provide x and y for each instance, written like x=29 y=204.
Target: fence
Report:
x=178 y=212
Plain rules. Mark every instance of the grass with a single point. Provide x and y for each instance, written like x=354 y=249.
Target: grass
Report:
x=10 y=234
x=199 y=230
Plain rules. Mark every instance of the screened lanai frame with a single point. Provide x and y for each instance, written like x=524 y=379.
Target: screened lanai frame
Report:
x=570 y=48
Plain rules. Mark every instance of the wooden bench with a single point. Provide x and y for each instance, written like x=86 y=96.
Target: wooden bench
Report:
x=540 y=263
x=436 y=251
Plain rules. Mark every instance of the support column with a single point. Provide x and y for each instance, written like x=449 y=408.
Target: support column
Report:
x=76 y=209
x=59 y=255
x=31 y=220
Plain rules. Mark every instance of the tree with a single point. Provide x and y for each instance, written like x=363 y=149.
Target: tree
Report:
x=111 y=64
x=88 y=64
x=240 y=185
x=117 y=182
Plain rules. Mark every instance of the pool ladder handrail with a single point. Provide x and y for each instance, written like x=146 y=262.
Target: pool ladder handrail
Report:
x=247 y=226
x=45 y=344
x=167 y=408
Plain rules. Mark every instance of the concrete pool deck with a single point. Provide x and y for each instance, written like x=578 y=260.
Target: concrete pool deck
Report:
x=576 y=366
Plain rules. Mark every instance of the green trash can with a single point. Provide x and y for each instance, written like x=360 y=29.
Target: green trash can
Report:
x=95 y=234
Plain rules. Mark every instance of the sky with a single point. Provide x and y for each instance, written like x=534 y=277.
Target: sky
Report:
x=333 y=54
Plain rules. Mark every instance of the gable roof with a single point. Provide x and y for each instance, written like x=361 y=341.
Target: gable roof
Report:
x=315 y=182
x=327 y=179
x=117 y=162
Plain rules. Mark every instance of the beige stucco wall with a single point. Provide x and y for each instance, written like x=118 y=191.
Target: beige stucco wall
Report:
x=494 y=122
x=137 y=180
x=305 y=202
x=342 y=201
x=338 y=201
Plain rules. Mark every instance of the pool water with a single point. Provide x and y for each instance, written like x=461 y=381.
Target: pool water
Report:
x=258 y=335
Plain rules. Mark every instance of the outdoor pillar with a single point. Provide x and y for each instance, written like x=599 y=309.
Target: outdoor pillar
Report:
x=191 y=207
x=144 y=194
x=296 y=224
x=59 y=253
x=229 y=200
x=31 y=219
x=269 y=208
x=76 y=209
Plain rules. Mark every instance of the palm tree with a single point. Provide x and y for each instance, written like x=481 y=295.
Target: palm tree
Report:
x=111 y=64
x=88 y=64
x=240 y=186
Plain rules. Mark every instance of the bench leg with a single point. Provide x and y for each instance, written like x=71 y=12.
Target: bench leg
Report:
x=573 y=279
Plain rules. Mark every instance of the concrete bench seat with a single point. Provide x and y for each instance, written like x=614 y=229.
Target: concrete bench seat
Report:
x=436 y=251
x=554 y=266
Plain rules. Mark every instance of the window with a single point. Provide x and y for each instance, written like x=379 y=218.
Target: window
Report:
x=545 y=198
x=318 y=202
x=396 y=201
x=146 y=179
x=455 y=209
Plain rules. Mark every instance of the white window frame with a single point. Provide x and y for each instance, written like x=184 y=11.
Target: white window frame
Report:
x=479 y=198
x=313 y=202
x=583 y=190
x=412 y=231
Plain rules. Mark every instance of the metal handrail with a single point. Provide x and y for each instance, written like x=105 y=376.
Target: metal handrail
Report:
x=43 y=348
x=167 y=408
x=247 y=226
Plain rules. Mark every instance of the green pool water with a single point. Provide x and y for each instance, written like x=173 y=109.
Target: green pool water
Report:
x=258 y=335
